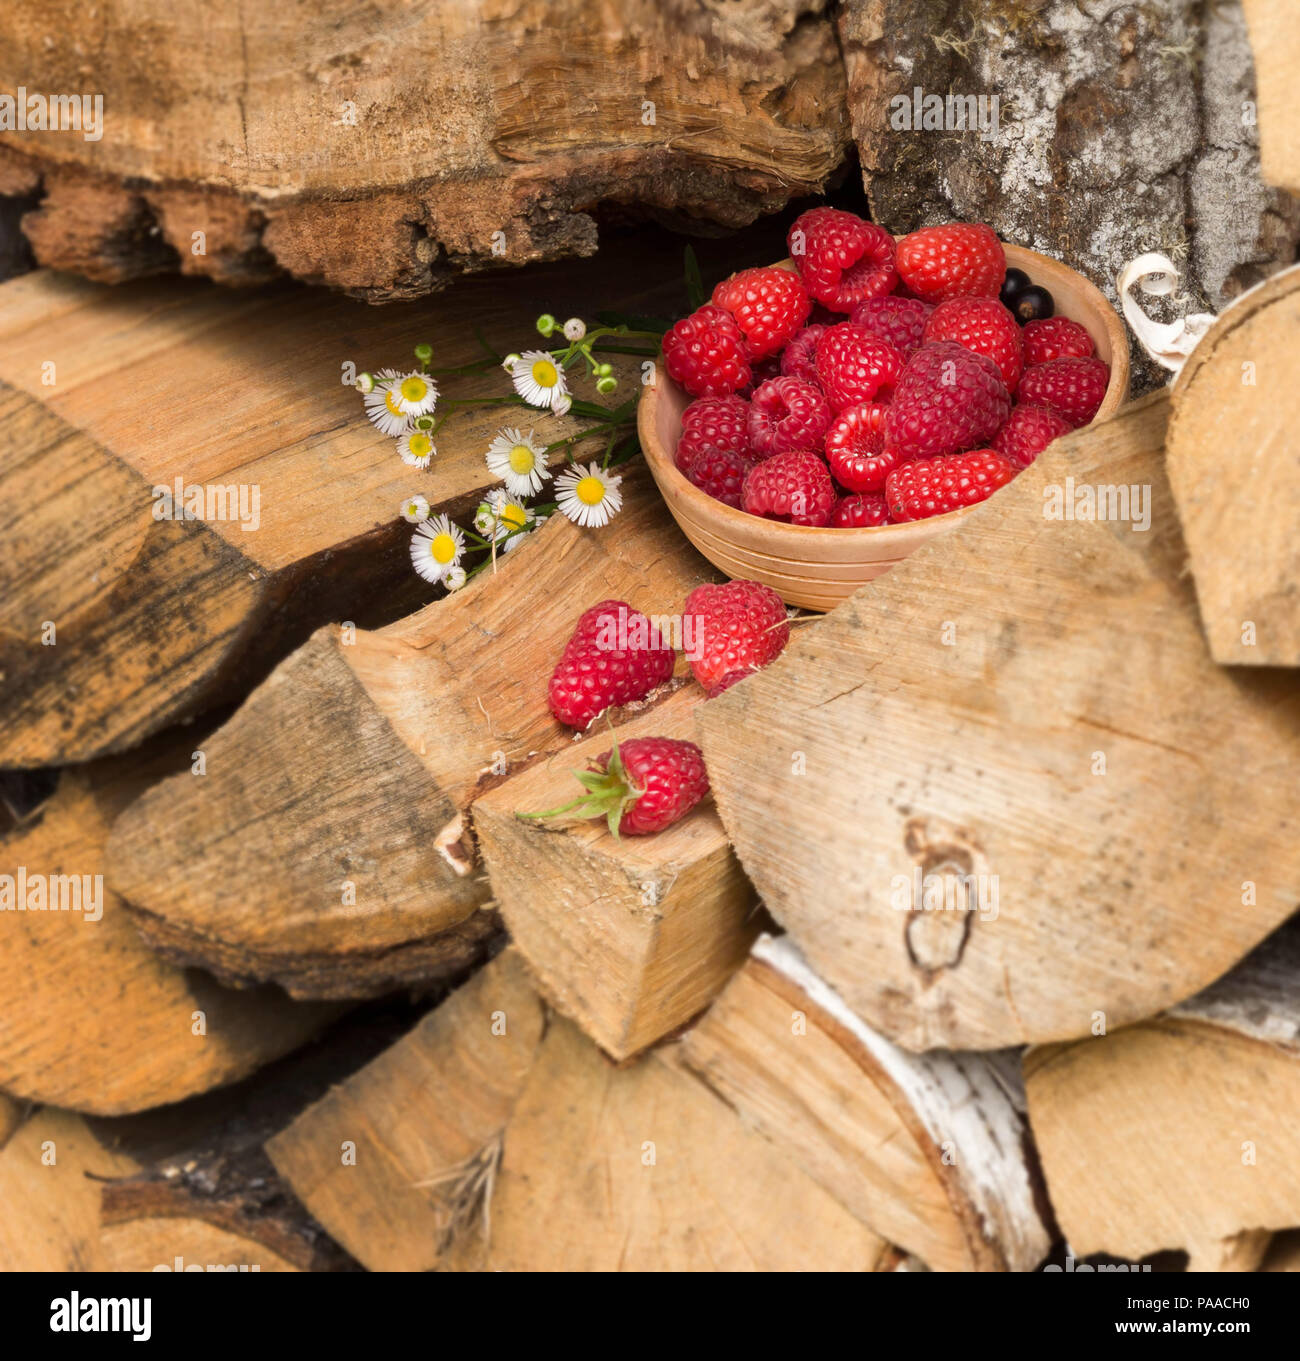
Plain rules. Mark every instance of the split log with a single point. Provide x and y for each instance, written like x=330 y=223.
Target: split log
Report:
x=642 y=1168
x=383 y=151
x=1178 y=1133
x=1276 y=45
x=1111 y=132
x=335 y=778
x=931 y=1151
x=89 y=1017
x=632 y=937
x=158 y=619
x=1003 y=792
x=396 y=1161
x=1236 y=479
x=49 y=1187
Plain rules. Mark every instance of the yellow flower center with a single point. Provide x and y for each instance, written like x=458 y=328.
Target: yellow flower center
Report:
x=545 y=374
x=442 y=548
x=414 y=389
x=590 y=491
x=420 y=445
x=513 y=517
x=522 y=459
x=390 y=401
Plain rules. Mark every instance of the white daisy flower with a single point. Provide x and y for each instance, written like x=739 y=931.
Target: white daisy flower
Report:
x=518 y=460
x=381 y=406
x=539 y=380
x=416 y=449
x=436 y=547
x=415 y=394
x=415 y=509
x=455 y=578
x=562 y=405
x=588 y=495
x=505 y=515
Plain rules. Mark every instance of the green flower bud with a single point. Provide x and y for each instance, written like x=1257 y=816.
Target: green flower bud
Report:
x=365 y=382
x=607 y=384
x=424 y=352
x=604 y=370
x=546 y=323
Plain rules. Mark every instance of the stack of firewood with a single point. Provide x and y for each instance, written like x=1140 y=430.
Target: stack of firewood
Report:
x=982 y=953
x=979 y=948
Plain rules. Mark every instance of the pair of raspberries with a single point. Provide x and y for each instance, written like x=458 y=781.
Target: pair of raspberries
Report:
x=615 y=656
x=929 y=397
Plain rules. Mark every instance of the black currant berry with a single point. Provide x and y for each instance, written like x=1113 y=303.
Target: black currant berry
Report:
x=1033 y=304
x=1015 y=281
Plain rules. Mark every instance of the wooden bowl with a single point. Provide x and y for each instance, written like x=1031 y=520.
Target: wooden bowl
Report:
x=817 y=568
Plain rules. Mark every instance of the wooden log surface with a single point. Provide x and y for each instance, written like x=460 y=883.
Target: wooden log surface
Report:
x=90 y=1018
x=396 y=1160
x=1025 y=712
x=1276 y=45
x=49 y=1187
x=1236 y=479
x=343 y=767
x=629 y=937
x=385 y=151
x=1178 y=1132
x=931 y=1151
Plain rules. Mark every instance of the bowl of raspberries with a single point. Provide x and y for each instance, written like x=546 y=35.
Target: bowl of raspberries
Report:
x=825 y=416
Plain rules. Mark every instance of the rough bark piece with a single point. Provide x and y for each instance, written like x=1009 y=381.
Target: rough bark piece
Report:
x=50 y=1193
x=1179 y=1132
x=931 y=1151
x=424 y=1123
x=954 y=719
x=1236 y=478
x=158 y=619
x=629 y=937
x=345 y=764
x=643 y=1168
x=1121 y=129
x=90 y=1018
x=1276 y=45
x=383 y=150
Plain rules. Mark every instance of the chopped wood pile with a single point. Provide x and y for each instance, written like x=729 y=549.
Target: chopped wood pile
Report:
x=982 y=950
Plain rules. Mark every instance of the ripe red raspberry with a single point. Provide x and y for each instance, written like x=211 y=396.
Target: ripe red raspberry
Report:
x=799 y=358
x=864 y=510
x=855 y=366
x=739 y=626
x=786 y=414
x=897 y=321
x=985 y=326
x=720 y=473
x=1056 y=338
x=706 y=353
x=841 y=258
x=713 y=425
x=855 y=448
x=949 y=398
x=1027 y=432
x=794 y=487
x=768 y=304
x=639 y=786
x=959 y=260
x=934 y=486
x=614 y=656
x=1073 y=388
